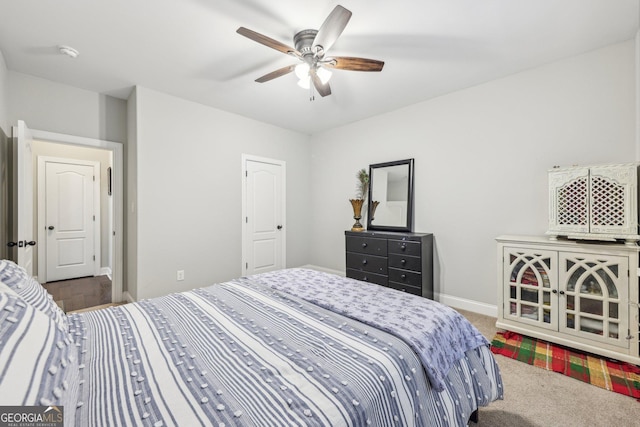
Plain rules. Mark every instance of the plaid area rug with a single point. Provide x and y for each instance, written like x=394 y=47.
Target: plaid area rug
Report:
x=620 y=377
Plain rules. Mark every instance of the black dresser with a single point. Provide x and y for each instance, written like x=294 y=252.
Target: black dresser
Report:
x=402 y=261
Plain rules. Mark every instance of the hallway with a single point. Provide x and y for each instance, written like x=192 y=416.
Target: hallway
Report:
x=76 y=294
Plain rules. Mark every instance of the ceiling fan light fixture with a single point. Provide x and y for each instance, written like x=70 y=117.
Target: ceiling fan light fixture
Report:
x=324 y=75
x=302 y=71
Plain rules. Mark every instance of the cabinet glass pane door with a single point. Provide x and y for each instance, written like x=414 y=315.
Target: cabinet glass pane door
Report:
x=528 y=298
x=594 y=288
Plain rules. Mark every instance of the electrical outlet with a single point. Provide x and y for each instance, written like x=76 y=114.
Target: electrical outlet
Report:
x=180 y=275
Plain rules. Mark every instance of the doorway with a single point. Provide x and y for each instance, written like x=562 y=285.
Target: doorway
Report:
x=111 y=209
x=263 y=215
x=69 y=216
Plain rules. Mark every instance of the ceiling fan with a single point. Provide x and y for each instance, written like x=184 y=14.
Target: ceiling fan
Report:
x=310 y=48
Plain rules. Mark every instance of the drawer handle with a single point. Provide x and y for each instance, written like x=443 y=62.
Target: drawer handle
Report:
x=403 y=261
x=364 y=279
x=364 y=262
x=403 y=247
x=403 y=276
x=364 y=245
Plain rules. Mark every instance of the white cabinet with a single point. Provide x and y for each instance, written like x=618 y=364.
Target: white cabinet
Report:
x=594 y=202
x=582 y=295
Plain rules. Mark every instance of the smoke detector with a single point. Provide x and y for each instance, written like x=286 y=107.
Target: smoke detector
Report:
x=68 y=50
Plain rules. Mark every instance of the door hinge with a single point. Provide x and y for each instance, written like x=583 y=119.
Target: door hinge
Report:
x=94 y=217
x=246 y=265
x=94 y=178
x=246 y=219
x=246 y=173
x=94 y=257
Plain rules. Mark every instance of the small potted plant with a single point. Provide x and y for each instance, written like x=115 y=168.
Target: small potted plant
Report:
x=362 y=188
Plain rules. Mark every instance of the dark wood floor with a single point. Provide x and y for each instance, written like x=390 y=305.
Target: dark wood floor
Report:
x=76 y=294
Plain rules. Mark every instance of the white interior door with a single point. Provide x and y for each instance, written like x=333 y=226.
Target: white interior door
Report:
x=23 y=197
x=264 y=215
x=70 y=219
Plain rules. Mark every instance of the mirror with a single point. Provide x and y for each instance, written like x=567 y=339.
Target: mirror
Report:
x=391 y=196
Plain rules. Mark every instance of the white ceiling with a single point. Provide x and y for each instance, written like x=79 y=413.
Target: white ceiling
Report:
x=189 y=48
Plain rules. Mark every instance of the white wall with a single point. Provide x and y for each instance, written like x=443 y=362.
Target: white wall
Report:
x=131 y=199
x=55 y=107
x=4 y=113
x=189 y=207
x=481 y=158
x=637 y=41
x=4 y=162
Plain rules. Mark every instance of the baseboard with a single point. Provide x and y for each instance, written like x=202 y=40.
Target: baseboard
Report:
x=324 y=269
x=467 y=304
x=106 y=271
x=127 y=297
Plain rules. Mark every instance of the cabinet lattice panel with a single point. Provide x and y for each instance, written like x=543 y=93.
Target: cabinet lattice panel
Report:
x=608 y=202
x=573 y=203
x=594 y=202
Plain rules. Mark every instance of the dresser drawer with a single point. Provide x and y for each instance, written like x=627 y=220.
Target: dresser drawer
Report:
x=364 y=262
x=402 y=261
x=405 y=277
x=365 y=276
x=405 y=262
x=367 y=245
x=404 y=247
x=405 y=288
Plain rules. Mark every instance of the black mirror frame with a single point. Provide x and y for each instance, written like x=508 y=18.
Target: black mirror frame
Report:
x=409 y=220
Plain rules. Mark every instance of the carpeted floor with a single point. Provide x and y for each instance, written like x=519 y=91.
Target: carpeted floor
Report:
x=535 y=397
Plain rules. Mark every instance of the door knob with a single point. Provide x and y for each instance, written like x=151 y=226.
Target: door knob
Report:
x=51 y=227
x=279 y=227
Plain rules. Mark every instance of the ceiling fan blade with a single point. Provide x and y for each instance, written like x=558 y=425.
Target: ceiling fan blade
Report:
x=277 y=73
x=330 y=30
x=323 y=89
x=267 y=41
x=353 y=64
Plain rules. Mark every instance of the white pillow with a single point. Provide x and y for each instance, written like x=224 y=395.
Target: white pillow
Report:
x=39 y=361
x=32 y=292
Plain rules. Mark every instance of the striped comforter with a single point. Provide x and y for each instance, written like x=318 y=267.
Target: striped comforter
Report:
x=243 y=354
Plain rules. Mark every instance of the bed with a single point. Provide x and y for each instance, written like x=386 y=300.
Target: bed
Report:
x=284 y=348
